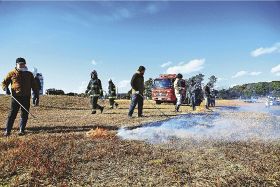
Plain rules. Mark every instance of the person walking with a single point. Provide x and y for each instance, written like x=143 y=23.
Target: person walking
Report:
x=21 y=81
x=179 y=88
x=212 y=97
x=137 y=98
x=112 y=93
x=207 y=95
x=94 y=89
x=192 y=94
x=35 y=100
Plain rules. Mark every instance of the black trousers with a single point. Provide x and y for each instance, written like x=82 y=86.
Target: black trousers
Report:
x=94 y=104
x=25 y=101
x=112 y=102
x=35 y=100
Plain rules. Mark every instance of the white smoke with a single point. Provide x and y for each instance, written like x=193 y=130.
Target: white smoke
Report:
x=242 y=125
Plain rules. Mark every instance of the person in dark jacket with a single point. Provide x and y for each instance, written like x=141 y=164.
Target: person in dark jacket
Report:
x=137 y=98
x=179 y=89
x=21 y=81
x=35 y=100
x=212 y=102
x=207 y=95
x=94 y=89
x=112 y=94
x=192 y=94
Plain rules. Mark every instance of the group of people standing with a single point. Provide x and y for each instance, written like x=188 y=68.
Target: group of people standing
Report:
x=23 y=81
x=95 y=91
x=180 y=93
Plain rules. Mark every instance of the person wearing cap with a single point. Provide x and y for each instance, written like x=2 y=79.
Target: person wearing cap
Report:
x=112 y=93
x=21 y=81
x=179 y=88
x=137 y=98
x=94 y=89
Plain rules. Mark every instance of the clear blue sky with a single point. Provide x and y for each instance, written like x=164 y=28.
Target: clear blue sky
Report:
x=239 y=42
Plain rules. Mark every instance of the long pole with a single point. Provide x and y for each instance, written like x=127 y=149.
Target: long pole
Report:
x=156 y=107
x=23 y=106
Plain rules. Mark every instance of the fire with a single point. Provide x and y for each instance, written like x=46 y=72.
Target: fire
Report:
x=97 y=133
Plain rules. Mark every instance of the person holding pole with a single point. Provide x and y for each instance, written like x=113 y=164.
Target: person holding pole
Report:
x=137 y=98
x=21 y=81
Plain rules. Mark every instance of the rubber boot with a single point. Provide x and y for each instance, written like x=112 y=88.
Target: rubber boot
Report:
x=101 y=109
x=177 y=108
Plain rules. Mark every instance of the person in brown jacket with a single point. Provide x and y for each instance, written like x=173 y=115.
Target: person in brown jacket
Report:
x=21 y=81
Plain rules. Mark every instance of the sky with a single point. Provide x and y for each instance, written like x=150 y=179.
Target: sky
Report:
x=238 y=42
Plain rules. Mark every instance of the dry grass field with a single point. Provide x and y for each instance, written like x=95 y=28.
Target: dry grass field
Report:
x=67 y=146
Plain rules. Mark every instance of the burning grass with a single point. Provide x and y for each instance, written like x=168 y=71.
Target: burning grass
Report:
x=99 y=133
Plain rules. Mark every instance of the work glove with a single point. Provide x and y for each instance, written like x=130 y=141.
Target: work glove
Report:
x=7 y=90
x=101 y=93
x=137 y=92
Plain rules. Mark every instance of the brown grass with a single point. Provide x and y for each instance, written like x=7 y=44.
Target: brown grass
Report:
x=68 y=146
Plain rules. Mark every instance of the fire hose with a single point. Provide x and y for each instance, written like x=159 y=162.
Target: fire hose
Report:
x=156 y=107
x=23 y=107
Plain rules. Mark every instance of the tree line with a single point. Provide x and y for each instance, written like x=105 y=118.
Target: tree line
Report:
x=260 y=89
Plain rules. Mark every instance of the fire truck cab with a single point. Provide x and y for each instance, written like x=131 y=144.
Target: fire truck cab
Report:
x=163 y=89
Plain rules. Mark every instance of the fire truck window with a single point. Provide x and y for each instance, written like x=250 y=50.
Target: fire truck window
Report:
x=162 y=83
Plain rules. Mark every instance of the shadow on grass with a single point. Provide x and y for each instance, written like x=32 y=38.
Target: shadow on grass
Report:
x=65 y=129
x=145 y=108
x=227 y=107
x=62 y=108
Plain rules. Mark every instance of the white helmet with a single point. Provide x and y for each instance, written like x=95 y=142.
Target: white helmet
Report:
x=110 y=80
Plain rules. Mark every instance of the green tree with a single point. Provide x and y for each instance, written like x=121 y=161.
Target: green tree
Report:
x=148 y=88
x=275 y=85
x=197 y=79
x=212 y=81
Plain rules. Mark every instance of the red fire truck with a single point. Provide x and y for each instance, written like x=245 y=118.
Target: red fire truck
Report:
x=163 y=89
